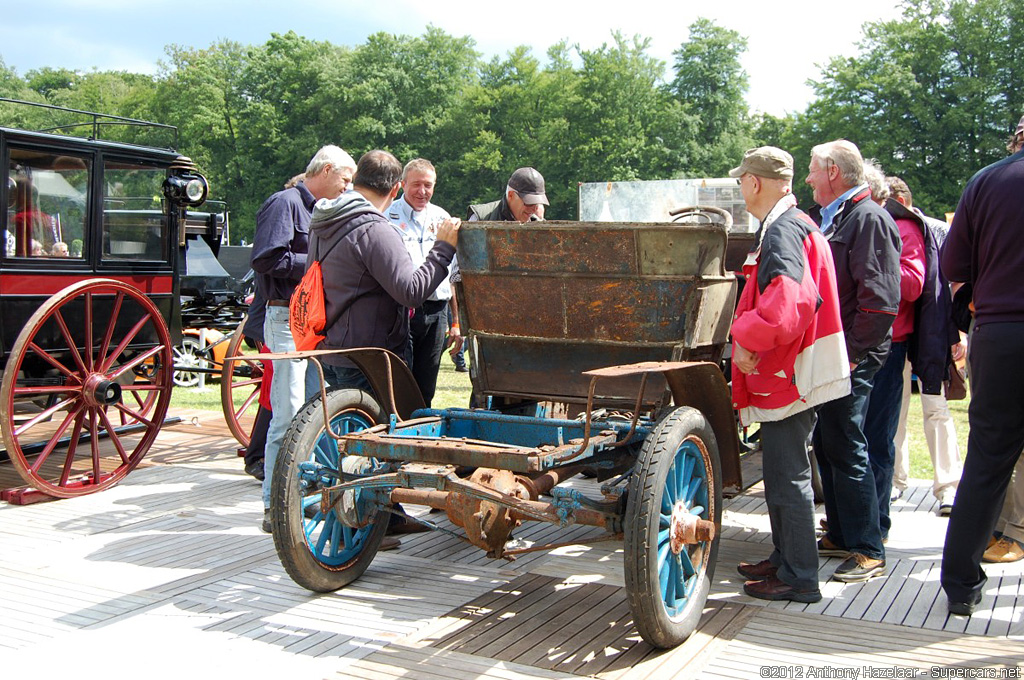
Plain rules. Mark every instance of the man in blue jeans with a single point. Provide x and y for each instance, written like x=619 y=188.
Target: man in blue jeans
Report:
x=279 y=260
x=865 y=245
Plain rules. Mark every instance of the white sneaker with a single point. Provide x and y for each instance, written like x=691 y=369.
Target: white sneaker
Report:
x=946 y=504
x=895 y=494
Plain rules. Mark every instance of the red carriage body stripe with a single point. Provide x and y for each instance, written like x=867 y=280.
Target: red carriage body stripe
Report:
x=12 y=283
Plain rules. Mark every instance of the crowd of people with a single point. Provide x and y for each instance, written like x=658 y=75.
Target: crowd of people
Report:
x=827 y=338
x=388 y=266
x=842 y=304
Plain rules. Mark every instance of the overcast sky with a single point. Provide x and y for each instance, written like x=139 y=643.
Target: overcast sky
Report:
x=787 y=42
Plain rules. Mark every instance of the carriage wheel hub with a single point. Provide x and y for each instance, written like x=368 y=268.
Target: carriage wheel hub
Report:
x=99 y=391
x=688 y=529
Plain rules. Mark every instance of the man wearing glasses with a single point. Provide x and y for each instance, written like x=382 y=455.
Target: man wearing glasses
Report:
x=524 y=200
x=789 y=356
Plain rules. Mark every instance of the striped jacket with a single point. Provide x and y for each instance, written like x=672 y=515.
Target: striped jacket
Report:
x=789 y=315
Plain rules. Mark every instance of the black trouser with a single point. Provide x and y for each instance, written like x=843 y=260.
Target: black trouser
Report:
x=787 y=492
x=258 y=437
x=995 y=441
x=427 y=330
x=459 y=358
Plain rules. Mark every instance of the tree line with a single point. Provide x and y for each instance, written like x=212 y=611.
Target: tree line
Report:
x=932 y=95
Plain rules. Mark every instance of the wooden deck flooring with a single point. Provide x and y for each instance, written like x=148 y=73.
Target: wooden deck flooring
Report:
x=168 y=575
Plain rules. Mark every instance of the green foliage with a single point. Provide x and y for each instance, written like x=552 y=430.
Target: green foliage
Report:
x=933 y=95
x=251 y=117
x=711 y=85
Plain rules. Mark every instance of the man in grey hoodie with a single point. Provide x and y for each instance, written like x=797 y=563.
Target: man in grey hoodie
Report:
x=370 y=282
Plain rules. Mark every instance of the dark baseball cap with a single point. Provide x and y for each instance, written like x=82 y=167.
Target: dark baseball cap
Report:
x=529 y=184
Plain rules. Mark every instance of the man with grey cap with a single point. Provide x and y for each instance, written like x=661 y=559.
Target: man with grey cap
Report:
x=789 y=356
x=524 y=200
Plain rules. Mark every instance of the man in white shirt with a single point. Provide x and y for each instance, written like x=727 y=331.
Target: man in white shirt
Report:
x=416 y=219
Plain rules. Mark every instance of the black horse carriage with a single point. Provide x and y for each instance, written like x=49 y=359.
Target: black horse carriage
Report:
x=94 y=236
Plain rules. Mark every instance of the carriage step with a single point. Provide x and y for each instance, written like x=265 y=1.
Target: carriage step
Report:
x=27 y=495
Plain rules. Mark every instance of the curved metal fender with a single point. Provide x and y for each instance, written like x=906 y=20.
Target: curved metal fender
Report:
x=702 y=386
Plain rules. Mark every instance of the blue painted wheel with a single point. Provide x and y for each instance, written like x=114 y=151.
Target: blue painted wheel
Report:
x=673 y=510
x=321 y=552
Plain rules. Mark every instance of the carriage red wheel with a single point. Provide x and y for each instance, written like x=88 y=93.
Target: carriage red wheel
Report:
x=101 y=349
x=240 y=388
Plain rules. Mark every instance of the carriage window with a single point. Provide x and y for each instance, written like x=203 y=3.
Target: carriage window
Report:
x=47 y=202
x=135 y=225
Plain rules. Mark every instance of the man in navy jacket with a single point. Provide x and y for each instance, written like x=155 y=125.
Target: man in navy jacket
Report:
x=865 y=246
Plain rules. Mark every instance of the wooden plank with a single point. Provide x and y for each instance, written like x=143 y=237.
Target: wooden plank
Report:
x=697 y=652
x=517 y=595
x=398 y=661
x=517 y=624
x=896 y=579
x=178 y=543
x=601 y=636
x=549 y=628
x=572 y=632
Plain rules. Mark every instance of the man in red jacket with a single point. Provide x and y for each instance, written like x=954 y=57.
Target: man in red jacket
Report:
x=789 y=356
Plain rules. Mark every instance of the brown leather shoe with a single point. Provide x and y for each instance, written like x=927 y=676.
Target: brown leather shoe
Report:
x=826 y=548
x=389 y=543
x=757 y=572
x=773 y=589
x=1004 y=550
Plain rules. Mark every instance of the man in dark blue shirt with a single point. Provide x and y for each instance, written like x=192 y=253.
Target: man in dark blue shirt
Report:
x=983 y=249
x=279 y=260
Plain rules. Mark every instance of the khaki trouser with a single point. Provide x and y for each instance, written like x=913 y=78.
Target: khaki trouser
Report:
x=940 y=433
x=1011 y=519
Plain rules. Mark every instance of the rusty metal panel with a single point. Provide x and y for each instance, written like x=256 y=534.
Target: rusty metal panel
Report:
x=703 y=387
x=579 y=249
x=619 y=310
x=544 y=301
x=554 y=370
x=681 y=249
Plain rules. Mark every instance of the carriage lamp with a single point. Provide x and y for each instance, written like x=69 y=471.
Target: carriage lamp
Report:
x=189 y=189
x=184 y=183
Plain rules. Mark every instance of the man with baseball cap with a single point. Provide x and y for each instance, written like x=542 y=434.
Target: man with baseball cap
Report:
x=789 y=356
x=524 y=200
x=1016 y=142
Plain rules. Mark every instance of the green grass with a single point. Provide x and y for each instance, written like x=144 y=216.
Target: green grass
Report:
x=453 y=390
x=920 y=460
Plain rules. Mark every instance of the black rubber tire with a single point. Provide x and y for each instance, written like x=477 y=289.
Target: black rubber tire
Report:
x=683 y=431
x=321 y=566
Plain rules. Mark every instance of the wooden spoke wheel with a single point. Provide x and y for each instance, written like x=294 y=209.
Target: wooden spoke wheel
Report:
x=326 y=552
x=98 y=355
x=673 y=511
x=240 y=388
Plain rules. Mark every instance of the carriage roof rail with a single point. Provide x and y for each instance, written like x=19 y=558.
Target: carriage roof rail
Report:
x=98 y=122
